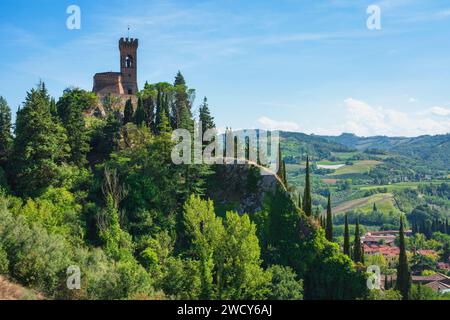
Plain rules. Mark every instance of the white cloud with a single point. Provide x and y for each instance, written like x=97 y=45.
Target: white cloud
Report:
x=366 y=120
x=270 y=124
x=412 y=100
x=440 y=111
x=363 y=119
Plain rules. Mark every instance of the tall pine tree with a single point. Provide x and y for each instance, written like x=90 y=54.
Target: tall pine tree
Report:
x=128 y=112
x=6 y=139
x=307 y=200
x=70 y=109
x=329 y=227
x=181 y=108
x=357 y=250
x=205 y=116
x=281 y=167
x=139 y=116
x=403 y=283
x=346 y=237
x=40 y=147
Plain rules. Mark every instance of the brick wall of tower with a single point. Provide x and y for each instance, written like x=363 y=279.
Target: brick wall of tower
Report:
x=128 y=64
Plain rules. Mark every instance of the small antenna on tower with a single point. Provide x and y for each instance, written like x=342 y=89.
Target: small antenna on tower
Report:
x=128 y=31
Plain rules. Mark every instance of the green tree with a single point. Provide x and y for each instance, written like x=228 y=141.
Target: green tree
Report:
x=128 y=112
x=105 y=138
x=285 y=285
x=182 y=278
x=239 y=272
x=40 y=147
x=346 y=237
x=357 y=249
x=164 y=124
x=307 y=200
x=205 y=116
x=204 y=233
x=390 y=294
x=6 y=139
x=403 y=283
x=71 y=107
x=421 y=292
x=139 y=116
x=227 y=253
x=299 y=203
x=281 y=167
x=181 y=108
x=329 y=227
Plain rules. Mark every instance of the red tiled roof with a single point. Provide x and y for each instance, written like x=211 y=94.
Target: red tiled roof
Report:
x=427 y=252
x=443 y=265
x=382 y=249
x=386 y=232
x=432 y=278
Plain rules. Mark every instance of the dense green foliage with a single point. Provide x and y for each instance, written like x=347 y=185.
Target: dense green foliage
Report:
x=403 y=283
x=100 y=192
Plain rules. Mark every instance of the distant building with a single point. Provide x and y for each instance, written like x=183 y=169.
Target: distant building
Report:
x=438 y=282
x=385 y=250
x=443 y=266
x=427 y=252
x=121 y=84
x=386 y=237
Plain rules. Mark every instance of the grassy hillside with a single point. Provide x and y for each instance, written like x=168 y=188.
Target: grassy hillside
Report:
x=361 y=167
x=434 y=149
x=384 y=201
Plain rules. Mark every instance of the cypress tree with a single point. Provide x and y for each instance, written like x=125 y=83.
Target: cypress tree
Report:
x=149 y=111
x=159 y=108
x=162 y=104
x=179 y=79
x=446 y=226
x=403 y=272
x=182 y=115
x=329 y=227
x=346 y=237
x=386 y=285
x=53 y=108
x=6 y=139
x=375 y=207
x=357 y=251
x=205 y=116
x=299 y=200
x=414 y=227
x=284 y=175
x=281 y=167
x=128 y=112
x=164 y=125
x=307 y=201
x=139 y=116
x=362 y=254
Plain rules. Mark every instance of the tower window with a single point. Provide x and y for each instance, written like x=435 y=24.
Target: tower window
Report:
x=130 y=91
x=128 y=62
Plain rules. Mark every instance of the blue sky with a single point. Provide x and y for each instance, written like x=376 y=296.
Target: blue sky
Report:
x=310 y=66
